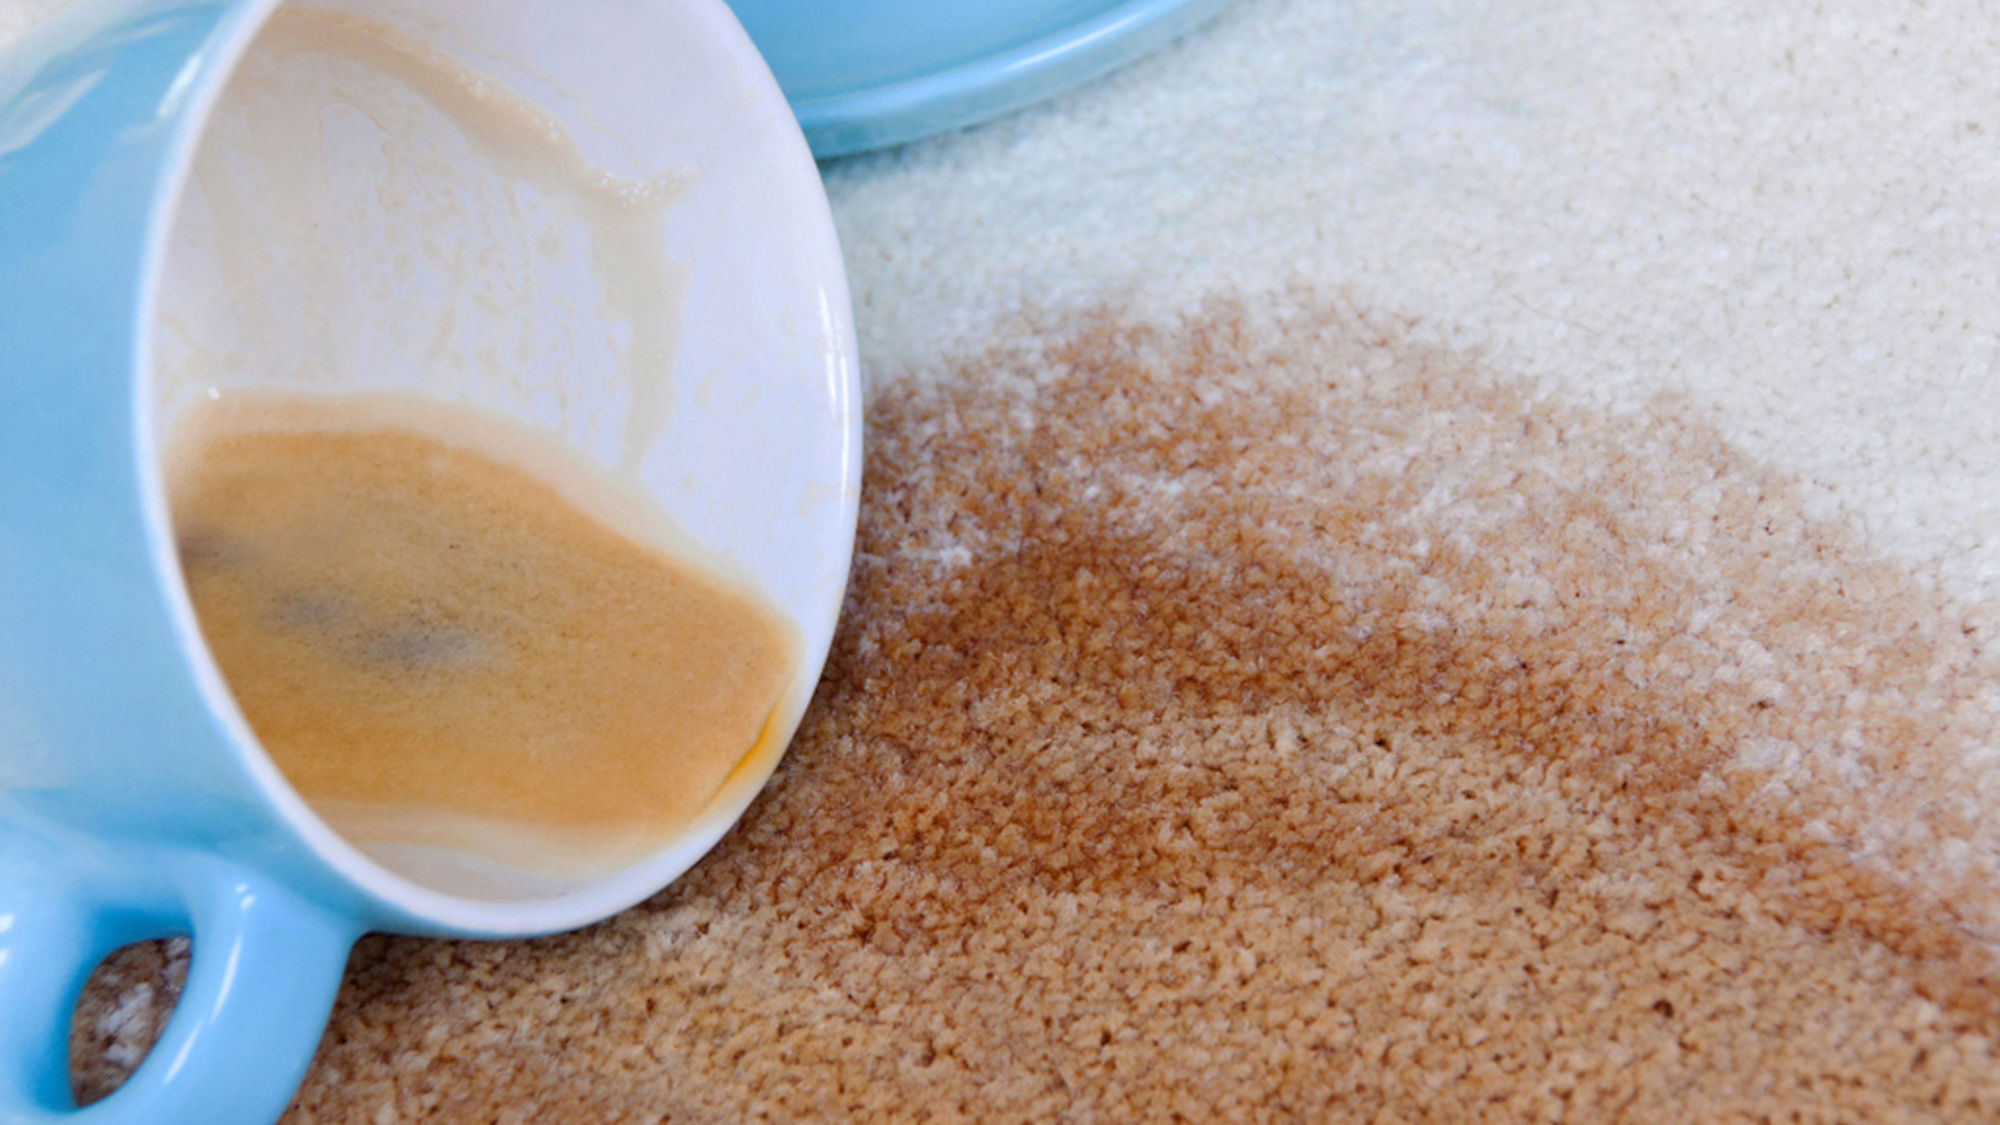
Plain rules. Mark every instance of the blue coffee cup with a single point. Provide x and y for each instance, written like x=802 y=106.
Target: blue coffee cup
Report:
x=135 y=800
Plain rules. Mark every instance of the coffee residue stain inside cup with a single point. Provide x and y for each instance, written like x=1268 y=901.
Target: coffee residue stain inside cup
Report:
x=368 y=211
x=1267 y=715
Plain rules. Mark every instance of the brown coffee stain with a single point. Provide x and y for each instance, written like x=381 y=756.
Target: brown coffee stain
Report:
x=1268 y=717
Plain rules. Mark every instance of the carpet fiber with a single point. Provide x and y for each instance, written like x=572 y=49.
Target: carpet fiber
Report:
x=1265 y=716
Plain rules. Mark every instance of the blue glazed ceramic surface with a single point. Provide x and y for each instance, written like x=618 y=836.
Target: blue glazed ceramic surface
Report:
x=128 y=813
x=869 y=75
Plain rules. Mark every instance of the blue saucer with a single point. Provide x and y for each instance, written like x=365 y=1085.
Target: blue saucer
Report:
x=873 y=73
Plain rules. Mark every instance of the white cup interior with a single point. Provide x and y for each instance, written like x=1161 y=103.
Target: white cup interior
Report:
x=696 y=347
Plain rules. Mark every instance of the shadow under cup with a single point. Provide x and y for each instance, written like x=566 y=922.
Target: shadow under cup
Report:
x=581 y=223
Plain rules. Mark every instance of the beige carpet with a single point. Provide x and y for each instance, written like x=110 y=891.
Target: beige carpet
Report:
x=1269 y=717
x=1418 y=563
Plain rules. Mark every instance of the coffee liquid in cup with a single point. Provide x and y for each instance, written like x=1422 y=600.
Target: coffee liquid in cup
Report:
x=447 y=630
x=439 y=648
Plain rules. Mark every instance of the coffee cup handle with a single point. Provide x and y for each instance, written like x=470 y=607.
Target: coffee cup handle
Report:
x=265 y=968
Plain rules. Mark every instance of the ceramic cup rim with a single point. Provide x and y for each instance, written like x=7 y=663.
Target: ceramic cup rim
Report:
x=399 y=902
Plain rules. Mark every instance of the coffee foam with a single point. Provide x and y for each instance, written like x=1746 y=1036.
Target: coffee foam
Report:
x=442 y=649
